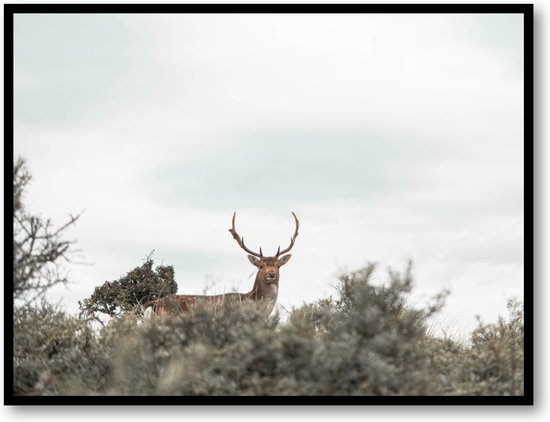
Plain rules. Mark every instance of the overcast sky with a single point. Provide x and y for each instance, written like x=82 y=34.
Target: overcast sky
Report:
x=392 y=137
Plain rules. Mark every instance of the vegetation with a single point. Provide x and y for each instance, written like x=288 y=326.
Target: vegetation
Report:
x=38 y=247
x=367 y=340
x=130 y=291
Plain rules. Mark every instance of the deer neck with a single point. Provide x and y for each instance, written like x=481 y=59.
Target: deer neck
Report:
x=266 y=293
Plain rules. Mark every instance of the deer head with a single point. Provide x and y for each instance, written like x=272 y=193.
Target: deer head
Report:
x=268 y=266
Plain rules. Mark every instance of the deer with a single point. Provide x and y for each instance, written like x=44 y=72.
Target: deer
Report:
x=264 y=292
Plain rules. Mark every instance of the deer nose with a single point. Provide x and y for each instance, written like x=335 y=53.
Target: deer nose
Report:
x=271 y=274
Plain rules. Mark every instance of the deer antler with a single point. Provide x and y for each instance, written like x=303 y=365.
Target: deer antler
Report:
x=240 y=240
x=292 y=239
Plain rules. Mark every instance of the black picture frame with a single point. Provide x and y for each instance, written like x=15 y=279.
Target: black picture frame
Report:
x=527 y=10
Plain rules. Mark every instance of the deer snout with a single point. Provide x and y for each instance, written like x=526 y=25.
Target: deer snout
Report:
x=271 y=275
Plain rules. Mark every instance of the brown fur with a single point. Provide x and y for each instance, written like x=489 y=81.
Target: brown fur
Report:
x=264 y=291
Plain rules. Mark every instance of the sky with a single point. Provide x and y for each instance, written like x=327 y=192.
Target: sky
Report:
x=392 y=137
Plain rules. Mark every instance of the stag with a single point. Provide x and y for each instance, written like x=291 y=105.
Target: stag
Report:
x=264 y=292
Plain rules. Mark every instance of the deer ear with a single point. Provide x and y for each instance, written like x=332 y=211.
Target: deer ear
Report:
x=255 y=261
x=284 y=259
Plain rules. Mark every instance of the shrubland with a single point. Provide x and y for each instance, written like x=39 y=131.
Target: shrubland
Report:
x=365 y=340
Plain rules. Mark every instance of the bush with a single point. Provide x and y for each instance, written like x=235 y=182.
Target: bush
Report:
x=495 y=363
x=129 y=292
x=39 y=248
x=366 y=341
x=492 y=363
x=54 y=353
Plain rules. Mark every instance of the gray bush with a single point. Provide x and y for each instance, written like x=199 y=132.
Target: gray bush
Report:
x=365 y=341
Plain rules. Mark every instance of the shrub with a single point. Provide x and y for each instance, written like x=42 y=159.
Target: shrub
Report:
x=366 y=341
x=491 y=364
x=494 y=364
x=54 y=353
x=129 y=292
x=39 y=248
